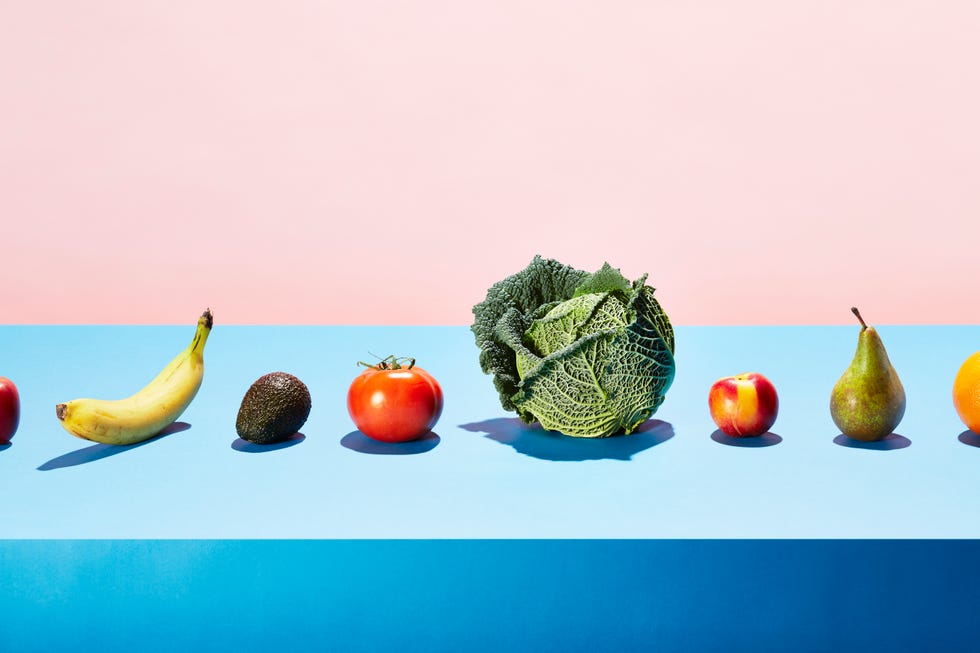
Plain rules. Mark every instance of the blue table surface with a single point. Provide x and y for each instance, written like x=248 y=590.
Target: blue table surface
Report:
x=483 y=475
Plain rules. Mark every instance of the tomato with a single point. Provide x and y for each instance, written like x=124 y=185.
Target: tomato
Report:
x=9 y=410
x=394 y=403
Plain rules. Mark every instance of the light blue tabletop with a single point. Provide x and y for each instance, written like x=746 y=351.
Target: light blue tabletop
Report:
x=484 y=475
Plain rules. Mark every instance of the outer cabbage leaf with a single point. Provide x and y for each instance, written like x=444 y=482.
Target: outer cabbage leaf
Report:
x=510 y=308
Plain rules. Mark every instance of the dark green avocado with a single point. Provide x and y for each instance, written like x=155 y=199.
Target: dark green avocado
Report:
x=274 y=408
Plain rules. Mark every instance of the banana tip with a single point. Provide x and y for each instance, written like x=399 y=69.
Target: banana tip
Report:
x=61 y=410
x=208 y=318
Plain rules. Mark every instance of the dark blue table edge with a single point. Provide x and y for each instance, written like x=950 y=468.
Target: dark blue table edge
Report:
x=491 y=595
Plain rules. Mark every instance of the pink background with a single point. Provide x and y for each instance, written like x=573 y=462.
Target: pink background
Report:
x=385 y=162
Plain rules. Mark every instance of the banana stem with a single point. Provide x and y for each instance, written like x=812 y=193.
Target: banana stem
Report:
x=203 y=331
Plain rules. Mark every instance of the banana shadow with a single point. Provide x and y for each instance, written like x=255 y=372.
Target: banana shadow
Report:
x=251 y=447
x=100 y=451
x=536 y=442
x=969 y=438
x=357 y=441
x=767 y=439
x=890 y=442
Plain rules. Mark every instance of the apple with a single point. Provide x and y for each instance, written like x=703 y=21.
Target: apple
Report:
x=9 y=410
x=744 y=405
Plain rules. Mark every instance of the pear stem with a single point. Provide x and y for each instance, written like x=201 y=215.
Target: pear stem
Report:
x=860 y=319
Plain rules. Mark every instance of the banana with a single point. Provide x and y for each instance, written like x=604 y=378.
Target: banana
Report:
x=149 y=411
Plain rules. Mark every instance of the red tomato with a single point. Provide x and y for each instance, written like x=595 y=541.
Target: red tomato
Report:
x=9 y=409
x=394 y=403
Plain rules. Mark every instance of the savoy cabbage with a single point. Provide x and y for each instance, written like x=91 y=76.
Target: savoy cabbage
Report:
x=589 y=355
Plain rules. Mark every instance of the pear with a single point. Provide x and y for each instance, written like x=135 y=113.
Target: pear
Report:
x=868 y=401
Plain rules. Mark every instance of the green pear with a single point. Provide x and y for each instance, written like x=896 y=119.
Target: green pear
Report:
x=868 y=401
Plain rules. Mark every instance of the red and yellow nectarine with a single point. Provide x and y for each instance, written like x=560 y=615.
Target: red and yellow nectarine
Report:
x=744 y=405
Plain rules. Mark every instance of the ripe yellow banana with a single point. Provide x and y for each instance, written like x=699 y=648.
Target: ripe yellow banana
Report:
x=149 y=411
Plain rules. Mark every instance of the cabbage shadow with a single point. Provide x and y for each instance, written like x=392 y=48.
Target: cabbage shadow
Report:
x=251 y=447
x=536 y=442
x=969 y=438
x=890 y=442
x=767 y=439
x=100 y=451
x=357 y=441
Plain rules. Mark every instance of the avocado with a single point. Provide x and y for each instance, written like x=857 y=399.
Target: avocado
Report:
x=274 y=408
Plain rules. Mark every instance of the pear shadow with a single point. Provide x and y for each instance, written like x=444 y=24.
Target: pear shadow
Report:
x=967 y=437
x=767 y=439
x=100 y=451
x=536 y=442
x=888 y=443
x=252 y=447
x=357 y=441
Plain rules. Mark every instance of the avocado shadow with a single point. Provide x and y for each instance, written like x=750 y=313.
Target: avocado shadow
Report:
x=357 y=441
x=252 y=447
x=536 y=442
x=767 y=439
x=100 y=451
x=967 y=437
x=888 y=443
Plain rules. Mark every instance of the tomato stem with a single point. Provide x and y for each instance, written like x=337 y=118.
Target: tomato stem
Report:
x=391 y=362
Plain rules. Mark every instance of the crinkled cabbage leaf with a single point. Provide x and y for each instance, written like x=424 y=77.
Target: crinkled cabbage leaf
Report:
x=589 y=355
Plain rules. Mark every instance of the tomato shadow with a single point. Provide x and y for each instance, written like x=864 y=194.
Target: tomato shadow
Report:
x=890 y=442
x=357 y=441
x=251 y=447
x=767 y=439
x=100 y=451
x=536 y=442
x=969 y=438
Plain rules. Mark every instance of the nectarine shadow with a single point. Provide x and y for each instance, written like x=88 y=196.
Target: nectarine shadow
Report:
x=536 y=442
x=357 y=441
x=888 y=443
x=767 y=439
x=251 y=447
x=100 y=451
x=969 y=438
